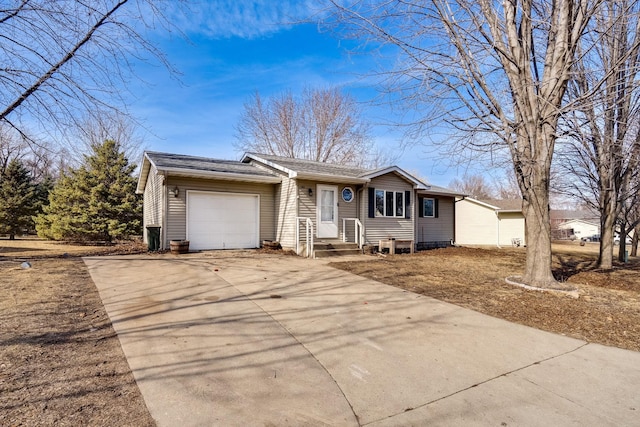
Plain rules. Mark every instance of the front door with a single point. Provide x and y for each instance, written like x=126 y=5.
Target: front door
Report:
x=327 y=211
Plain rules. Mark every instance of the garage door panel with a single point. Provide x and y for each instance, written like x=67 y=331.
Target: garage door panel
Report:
x=222 y=221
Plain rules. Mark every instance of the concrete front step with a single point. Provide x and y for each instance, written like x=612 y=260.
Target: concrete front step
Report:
x=323 y=253
x=334 y=245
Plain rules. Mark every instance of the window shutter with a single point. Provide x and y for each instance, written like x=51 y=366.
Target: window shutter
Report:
x=372 y=202
x=435 y=208
x=407 y=204
x=421 y=207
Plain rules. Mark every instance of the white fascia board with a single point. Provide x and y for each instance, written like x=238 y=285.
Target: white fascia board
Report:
x=571 y=221
x=289 y=172
x=332 y=178
x=478 y=202
x=379 y=172
x=435 y=192
x=144 y=173
x=229 y=176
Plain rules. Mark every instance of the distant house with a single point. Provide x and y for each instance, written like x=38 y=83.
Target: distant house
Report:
x=227 y=204
x=559 y=216
x=489 y=222
x=579 y=228
x=574 y=224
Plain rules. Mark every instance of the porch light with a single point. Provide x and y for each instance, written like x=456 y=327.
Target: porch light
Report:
x=175 y=191
x=310 y=192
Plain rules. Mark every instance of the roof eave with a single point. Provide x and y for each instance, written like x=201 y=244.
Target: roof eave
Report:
x=332 y=178
x=251 y=156
x=394 y=169
x=439 y=193
x=144 y=173
x=227 y=176
x=481 y=203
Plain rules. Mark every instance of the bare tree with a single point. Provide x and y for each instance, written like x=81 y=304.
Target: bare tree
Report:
x=507 y=187
x=111 y=126
x=66 y=59
x=475 y=186
x=324 y=125
x=601 y=156
x=38 y=159
x=12 y=146
x=496 y=73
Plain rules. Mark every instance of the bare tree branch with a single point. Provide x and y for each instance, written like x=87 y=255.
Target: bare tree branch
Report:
x=323 y=125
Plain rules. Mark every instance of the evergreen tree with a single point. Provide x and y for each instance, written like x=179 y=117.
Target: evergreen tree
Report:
x=18 y=200
x=96 y=202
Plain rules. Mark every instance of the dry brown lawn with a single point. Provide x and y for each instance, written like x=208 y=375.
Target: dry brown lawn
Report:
x=607 y=310
x=61 y=363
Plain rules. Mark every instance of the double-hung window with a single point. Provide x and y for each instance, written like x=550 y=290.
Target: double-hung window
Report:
x=389 y=203
x=429 y=208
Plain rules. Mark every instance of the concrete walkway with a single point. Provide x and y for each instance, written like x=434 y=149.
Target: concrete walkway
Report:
x=239 y=339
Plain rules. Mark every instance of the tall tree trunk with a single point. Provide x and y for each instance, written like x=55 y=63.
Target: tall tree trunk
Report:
x=634 y=241
x=607 y=225
x=538 y=237
x=623 y=241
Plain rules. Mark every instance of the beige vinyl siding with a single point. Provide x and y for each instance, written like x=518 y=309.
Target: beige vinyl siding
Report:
x=176 y=223
x=307 y=206
x=386 y=227
x=440 y=229
x=286 y=207
x=475 y=224
x=153 y=201
x=511 y=227
x=287 y=212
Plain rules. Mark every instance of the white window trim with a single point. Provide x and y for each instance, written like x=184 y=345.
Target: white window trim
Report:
x=384 y=204
x=433 y=207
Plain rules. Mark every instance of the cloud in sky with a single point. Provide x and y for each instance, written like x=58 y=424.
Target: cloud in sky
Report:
x=246 y=19
x=236 y=48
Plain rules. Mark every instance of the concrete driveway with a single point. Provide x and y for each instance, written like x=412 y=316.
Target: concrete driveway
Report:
x=236 y=338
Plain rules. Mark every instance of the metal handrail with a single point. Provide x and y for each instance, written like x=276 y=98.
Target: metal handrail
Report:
x=358 y=230
x=308 y=235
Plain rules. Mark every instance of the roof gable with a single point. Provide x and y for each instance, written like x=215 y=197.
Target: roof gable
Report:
x=300 y=168
x=200 y=167
x=579 y=221
x=396 y=170
x=505 y=205
x=309 y=169
x=508 y=205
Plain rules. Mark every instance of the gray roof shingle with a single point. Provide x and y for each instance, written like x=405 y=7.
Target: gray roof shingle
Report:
x=313 y=167
x=180 y=161
x=505 y=204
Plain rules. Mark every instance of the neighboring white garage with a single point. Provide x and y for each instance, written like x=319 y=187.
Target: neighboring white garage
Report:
x=489 y=222
x=222 y=220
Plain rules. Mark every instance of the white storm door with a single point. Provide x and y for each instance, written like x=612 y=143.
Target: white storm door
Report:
x=327 y=211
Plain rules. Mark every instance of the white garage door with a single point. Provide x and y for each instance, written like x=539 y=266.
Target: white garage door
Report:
x=222 y=220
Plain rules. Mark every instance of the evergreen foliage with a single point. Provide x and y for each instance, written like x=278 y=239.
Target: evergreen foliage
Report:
x=18 y=200
x=95 y=202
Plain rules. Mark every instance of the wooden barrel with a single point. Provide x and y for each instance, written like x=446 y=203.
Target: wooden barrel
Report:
x=179 y=246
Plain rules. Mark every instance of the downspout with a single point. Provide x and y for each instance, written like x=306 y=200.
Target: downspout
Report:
x=498 y=229
x=453 y=241
x=165 y=209
x=361 y=215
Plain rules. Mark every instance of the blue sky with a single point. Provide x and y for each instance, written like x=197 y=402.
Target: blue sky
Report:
x=236 y=48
